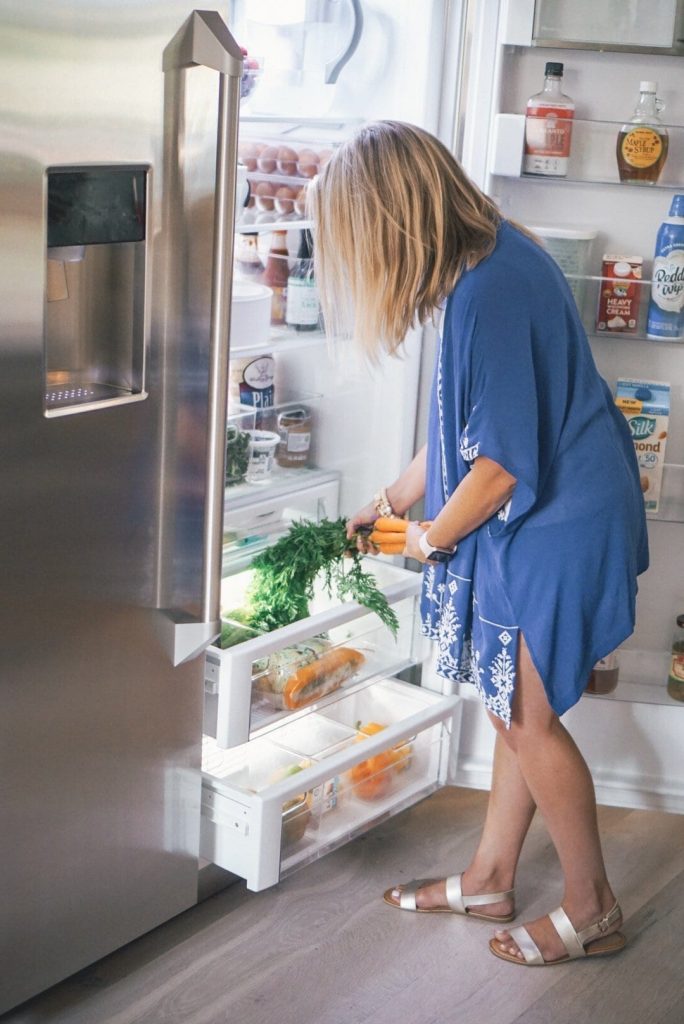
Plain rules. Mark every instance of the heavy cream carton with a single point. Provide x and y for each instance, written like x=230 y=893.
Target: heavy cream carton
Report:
x=646 y=406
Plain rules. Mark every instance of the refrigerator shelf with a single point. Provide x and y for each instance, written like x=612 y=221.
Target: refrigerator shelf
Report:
x=642 y=679
x=232 y=712
x=263 y=221
x=284 y=800
x=286 y=339
x=587 y=290
x=592 y=158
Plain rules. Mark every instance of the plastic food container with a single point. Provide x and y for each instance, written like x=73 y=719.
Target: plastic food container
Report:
x=278 y=170
x=571 y=249
x=250 y=317
x=262 y=455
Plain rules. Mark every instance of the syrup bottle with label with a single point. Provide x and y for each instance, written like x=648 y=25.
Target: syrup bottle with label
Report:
x=548 y=127
x=642 y=143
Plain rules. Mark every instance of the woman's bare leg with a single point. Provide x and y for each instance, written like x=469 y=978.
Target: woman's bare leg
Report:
x=509 y=813
x=561 y=785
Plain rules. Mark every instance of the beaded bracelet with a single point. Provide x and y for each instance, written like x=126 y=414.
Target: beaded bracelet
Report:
x=382 y=504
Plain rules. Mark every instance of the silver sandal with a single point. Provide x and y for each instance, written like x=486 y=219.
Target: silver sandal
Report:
x=590 y=941
x=457 y=903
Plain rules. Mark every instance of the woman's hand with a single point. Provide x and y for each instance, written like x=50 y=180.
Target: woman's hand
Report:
x=365 y=517
x=413 y=534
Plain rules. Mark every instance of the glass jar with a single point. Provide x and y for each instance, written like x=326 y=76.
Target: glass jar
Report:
x=675 y=679
x=604 y=675
x=294 y=428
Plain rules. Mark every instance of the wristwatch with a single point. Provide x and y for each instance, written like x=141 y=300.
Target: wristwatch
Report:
x=434 y=554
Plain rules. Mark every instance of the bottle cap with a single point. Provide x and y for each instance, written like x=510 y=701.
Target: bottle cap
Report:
x=552 y=68
x=648 y=87
x=677 y=206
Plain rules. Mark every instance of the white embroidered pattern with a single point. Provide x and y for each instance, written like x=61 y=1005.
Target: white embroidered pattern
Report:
x=458 y=657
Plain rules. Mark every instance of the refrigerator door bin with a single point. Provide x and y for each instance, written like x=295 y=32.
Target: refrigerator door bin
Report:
x=286 y=799
x=592 y=153
x=234 y=708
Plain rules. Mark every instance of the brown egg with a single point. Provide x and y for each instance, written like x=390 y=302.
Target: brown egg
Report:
x=300 y=201
x=248 y=153
x=323 y=156
x=284 y=199
x=263 y=194
x=287 y=161
x=645 y=483
x=307 y=165
x=266 y=160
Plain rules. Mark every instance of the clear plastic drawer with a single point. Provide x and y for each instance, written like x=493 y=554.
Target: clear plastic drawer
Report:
x=307 y=787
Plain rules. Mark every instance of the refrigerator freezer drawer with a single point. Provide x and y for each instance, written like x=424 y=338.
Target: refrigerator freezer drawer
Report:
x=306 y=788
x=238 y=703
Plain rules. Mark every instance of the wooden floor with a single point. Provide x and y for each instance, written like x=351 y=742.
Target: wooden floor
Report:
x=322 y=948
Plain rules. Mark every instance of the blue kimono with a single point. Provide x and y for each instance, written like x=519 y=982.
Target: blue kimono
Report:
x=515 y=381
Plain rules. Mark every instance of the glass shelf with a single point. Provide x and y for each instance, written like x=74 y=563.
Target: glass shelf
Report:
x=283 y=339
x=642 y=679
x=592 y=157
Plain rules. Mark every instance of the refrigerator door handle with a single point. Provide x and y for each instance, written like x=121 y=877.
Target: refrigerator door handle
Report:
x=335 y=65
x=204 y=41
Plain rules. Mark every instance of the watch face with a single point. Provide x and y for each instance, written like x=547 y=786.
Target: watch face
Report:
x=439 y=556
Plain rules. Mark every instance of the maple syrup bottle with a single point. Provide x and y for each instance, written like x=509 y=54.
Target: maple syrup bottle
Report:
x=642 y=143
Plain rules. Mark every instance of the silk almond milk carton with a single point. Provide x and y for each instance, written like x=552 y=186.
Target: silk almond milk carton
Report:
x=646 y=406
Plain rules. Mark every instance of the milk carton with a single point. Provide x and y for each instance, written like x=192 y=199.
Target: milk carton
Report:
x=646 y=406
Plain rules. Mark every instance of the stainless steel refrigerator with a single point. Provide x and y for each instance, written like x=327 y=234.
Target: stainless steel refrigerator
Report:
x=118 y=125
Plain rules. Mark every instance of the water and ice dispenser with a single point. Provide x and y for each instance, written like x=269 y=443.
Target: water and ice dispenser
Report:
x=95 y=314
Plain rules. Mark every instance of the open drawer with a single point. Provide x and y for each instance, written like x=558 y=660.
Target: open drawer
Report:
x=306 y=788
x=237 y=679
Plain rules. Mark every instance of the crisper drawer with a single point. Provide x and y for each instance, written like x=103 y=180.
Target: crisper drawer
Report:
x=255 y=517
x=304 y=789
x=267 y=677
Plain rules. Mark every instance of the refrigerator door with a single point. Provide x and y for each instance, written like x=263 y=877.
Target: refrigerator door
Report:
x=100 y=734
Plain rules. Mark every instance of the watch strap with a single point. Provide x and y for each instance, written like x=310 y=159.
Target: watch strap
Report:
x=428 y=549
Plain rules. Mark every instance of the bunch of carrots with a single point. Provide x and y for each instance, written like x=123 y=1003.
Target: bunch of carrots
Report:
x=389 y=534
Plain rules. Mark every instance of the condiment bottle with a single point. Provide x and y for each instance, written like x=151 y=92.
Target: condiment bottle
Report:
x=294 y=427
x=666 y=307
x=675 y=679
x=642 y=143
x=247 y=260
x=548 y=127
x=604 y=675
x=252 y=380
x=303 y=308
x=276 y=274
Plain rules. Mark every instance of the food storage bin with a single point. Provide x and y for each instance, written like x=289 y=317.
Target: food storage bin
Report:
x=571 y=248
x=286 y=798
x=240 y=697
x=250 y=315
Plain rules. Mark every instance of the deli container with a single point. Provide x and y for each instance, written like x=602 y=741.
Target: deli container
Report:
x=571 y=249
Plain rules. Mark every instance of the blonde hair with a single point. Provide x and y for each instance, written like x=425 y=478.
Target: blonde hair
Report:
x=397 y=223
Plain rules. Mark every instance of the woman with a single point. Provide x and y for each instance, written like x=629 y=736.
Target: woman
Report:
x=536 y=528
